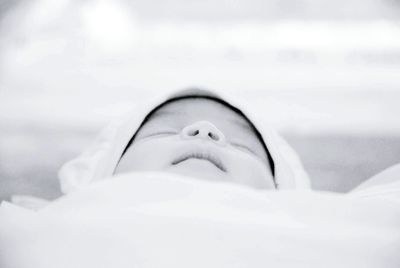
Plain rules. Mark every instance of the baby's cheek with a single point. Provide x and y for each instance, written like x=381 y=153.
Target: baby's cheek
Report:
x=248 y=170
x=146 y=156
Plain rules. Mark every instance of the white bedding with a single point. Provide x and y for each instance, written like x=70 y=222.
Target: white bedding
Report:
x=146 y=220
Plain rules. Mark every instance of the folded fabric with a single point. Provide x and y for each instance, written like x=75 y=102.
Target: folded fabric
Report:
x=163 y=220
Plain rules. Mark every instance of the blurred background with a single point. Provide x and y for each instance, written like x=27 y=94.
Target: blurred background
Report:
x=325 y=73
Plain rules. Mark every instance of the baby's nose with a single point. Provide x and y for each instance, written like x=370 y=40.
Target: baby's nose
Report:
x=204 y=130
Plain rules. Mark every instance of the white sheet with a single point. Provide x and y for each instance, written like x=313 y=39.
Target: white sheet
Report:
x=162 y=220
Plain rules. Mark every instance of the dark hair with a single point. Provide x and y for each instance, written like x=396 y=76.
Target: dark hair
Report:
x=221 y=101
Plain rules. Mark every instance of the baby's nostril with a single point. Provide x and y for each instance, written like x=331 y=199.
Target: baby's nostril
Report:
x=213 y=136
x=194 y=132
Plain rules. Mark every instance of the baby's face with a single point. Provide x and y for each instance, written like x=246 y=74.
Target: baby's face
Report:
x=200 y=138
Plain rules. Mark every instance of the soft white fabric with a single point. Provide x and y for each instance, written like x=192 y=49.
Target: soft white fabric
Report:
x=100 y=159
x=145 y=220
x=30 y=202
x=382 y=179
x=153 y=219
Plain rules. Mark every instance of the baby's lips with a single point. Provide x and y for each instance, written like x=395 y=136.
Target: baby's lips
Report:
x=201 y=152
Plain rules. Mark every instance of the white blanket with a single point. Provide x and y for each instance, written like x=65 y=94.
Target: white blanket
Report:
x=146 y=220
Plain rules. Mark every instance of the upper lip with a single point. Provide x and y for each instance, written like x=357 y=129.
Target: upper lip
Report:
x=201 y=155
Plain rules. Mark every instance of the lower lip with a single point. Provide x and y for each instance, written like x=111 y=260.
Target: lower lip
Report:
x=200 y=160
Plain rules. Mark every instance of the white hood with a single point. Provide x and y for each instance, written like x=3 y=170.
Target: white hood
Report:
x=99 y=160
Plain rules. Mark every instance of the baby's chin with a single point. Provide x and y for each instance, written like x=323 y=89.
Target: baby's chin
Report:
x=200 y=169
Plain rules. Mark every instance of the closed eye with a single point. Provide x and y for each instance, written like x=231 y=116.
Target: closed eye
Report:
x=243 y=147
x=161 y=133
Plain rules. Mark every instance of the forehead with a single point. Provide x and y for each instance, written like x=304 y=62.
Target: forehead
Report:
x=201 y=107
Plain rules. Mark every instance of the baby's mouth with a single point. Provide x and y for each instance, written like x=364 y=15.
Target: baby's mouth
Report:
x=203 y=156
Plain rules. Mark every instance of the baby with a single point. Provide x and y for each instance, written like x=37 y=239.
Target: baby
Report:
x=201 y=137
x=195 y=133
